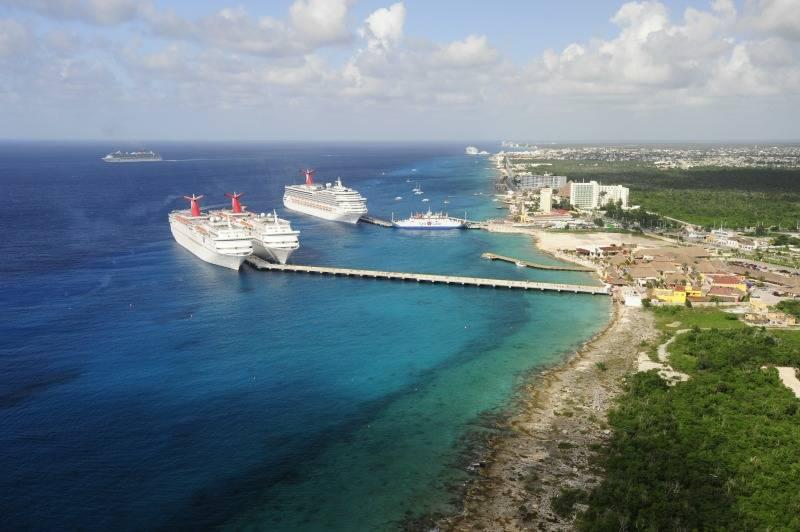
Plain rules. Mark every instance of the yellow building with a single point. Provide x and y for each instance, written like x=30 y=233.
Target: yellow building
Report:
x=670 y=296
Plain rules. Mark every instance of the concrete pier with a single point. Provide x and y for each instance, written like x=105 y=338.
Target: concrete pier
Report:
x=529 y=264
x=261 y=264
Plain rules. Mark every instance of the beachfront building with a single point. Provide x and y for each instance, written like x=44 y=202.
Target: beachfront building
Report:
x=533 y=181
x=593 y=195
x=546 y=200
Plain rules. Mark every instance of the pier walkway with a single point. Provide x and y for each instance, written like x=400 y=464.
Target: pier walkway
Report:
x=529 y=264
x=261 y=264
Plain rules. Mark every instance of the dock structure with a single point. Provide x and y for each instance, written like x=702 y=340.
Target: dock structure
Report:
x=376 y=221
x=261 y=264
x=529 y=264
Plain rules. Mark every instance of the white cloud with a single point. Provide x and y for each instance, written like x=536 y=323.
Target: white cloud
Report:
x=320 y=21
x=471 y=52
x=775 y=17
x=383 y=29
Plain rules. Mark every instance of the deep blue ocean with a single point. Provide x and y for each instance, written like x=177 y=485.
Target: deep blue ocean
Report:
x=141 y=388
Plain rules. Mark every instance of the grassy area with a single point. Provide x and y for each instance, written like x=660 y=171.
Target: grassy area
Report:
x=789 y=306
x=741 y=197
x=718 y=451
x=673 y=318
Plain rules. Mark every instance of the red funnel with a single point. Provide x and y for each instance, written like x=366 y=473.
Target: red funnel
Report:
x=235 y=205
x=195 y=203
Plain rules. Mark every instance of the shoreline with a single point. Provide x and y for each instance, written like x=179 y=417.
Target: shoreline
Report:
x=548 y=443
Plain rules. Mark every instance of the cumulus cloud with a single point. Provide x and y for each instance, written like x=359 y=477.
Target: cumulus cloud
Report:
x=775 y=17
x=653 y=59
x=320 y=21
x=383 y=29
x=234 y=60
x=471 y=52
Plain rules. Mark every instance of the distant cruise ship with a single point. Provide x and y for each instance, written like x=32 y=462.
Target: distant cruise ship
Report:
x=429 y=220
x=331 y=202
x=210 y=237
x=273 y=238
x=132 y=157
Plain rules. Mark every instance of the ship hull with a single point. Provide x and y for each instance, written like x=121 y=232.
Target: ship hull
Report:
x=428 y=227
x=346 y=217
x=266 y=252
x=186 y=239
x=131 y=160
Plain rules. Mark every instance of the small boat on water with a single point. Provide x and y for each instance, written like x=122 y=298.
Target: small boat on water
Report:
x=430 y=221
x=398 y=198
x=425 y=199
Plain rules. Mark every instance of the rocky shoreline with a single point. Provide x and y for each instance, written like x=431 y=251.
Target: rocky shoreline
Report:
x=549 y=444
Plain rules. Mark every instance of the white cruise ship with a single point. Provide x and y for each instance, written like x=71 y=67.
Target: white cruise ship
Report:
x=141 y=156
x=210 y=237
x=273 y=237
x=331 y=202
x=429 y=220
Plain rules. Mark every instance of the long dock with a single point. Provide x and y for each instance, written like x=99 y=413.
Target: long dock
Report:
x=261 y=264
x=529 y=264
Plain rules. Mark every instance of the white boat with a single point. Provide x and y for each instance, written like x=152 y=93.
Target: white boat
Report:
x=141 y=156
x=330 y=202
x=209 y=237
x=429 y=220
x=425 y=200
x=273 y=237
x=398 y=198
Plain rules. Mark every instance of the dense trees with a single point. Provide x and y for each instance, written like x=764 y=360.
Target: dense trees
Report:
x=735 y=197
x=718 y=451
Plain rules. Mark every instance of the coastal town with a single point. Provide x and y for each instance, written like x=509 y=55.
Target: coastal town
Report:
x=668 y=262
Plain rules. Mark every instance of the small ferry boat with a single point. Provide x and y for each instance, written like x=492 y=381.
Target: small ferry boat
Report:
x=429 y=220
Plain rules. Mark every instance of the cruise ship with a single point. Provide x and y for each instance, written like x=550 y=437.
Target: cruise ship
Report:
x=210 y=237
x=429 y=220
x=273 y=238
x=331 y=202
x=132 y=157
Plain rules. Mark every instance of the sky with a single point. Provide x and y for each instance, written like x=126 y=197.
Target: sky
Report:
x=529 y=70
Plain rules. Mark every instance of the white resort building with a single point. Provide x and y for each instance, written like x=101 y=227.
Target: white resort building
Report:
x=593 y=195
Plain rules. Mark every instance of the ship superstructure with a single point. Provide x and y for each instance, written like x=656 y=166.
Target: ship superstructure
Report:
x=140 y=156
x=331 y=201
x=273 y=238
x=429 y=220
x=210 y=237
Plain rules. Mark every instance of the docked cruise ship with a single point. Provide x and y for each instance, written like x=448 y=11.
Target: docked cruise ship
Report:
x=210 y=237
x=132 y=157
x=429 y=220
x=273 y=238
x=331 y=202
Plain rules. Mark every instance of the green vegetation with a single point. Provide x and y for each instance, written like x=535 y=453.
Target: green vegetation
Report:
x=718 y=451
x=673 y=318
x=738 y=197
x=564 y=503
x=790 y=306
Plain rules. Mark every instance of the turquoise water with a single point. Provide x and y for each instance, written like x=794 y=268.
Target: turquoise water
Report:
x=146 y=389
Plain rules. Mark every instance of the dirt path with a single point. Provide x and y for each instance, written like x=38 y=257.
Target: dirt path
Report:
x=547 y=446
